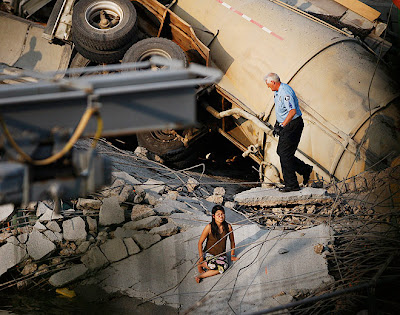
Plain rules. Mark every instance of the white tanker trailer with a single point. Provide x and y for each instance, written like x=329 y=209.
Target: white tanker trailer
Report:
x=351 y=108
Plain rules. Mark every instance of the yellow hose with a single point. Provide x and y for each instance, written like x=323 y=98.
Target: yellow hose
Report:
x=99 y=129
x=74 y=138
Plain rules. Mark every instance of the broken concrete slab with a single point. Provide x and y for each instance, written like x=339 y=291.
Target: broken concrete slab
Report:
x=53 y=236
x=146 y=223
x=217 y=199
x=74 y=229
x=53 y=226
x=152 y=198
x=39 y=226
x=42 y=208
x=127 y=194
x=23 y=238
x=124 y=233
x=64 y=277
x=152 y=185
x=6 y=211
x=84 y=204
x=129 y=179
x=168 y=206
x=94 y=259
x=230 y=204
x=50 y=215
x=114 y=190
x=141 y=211
x=131 y=246
x=200 y=204
x=250 y=284
x=82 y=248
x=145 y=240
x=219 y=191
x=38 y=245
x=11 y=255
x=111 y=212
x=13 y=240
x=186 y=221
x=272 y=197
x=114 y=249
x=165 y=230
x=172 y=194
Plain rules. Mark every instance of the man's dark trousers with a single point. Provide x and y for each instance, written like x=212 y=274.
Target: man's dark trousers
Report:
x=288 y=141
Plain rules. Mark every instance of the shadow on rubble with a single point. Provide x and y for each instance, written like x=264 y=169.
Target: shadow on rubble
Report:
x=88 y=300
x=219 y=156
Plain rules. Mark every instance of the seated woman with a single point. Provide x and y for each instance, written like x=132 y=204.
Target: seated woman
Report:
x=213 y=258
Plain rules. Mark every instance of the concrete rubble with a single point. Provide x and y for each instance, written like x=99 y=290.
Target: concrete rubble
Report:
x=271 y=197
x=11 y=255
x=65 y=276
x=139 y=238
x=6 y=211
x=74 y=229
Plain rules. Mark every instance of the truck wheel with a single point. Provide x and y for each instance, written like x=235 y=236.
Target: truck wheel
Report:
x=101 y=56
x=156 y=46
x=164 y=143
x=161 y=142
x=111 y=33
x=167 y=145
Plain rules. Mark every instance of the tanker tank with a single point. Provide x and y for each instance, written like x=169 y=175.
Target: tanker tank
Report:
x=350 y=105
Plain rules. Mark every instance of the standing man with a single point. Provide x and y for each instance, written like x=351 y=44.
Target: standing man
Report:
x=289 y=126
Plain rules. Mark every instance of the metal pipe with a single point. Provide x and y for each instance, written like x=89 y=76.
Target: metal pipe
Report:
x=266 y=127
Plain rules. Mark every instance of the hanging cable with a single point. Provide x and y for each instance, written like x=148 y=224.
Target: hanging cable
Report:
x=68 y=146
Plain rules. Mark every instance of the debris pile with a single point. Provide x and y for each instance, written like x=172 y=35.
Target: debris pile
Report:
x=128 y=235
x=363 y=258
x=89 y=234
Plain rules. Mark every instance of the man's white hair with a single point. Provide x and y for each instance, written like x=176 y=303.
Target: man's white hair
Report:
x=272 y=77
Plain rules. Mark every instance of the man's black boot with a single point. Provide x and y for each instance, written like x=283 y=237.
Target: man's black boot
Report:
x=306 y=177
x=288 y=189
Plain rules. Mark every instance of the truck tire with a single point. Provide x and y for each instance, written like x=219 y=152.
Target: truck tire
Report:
x=163 y=142
x=101 y=56
x=156 y=46
x=86 y=29
x=168 y=146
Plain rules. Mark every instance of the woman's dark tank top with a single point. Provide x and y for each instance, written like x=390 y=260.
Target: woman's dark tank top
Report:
x=217 y=249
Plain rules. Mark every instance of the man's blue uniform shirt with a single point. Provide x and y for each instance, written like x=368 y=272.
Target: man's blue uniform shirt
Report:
x=285 y=100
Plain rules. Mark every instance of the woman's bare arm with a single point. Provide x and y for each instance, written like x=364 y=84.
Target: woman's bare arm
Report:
x=203 y=237
x=232 y=239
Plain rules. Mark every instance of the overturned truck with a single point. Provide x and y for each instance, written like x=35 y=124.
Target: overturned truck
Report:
x=350 y=104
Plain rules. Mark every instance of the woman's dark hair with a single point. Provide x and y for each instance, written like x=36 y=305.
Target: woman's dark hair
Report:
x=214 y=226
